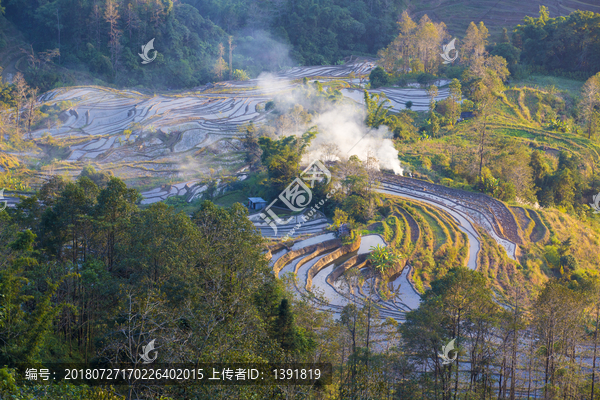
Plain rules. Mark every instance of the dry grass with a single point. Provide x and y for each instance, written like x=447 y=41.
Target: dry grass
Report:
x=495 y=14
x=585 y=240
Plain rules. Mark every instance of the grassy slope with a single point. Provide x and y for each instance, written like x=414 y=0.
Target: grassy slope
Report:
x=586 y=239
x=515 y=117
x=457 y=14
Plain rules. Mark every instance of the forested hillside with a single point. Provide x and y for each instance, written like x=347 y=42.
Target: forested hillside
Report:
x=64 y=42
x=127 y=221
x=102 y=39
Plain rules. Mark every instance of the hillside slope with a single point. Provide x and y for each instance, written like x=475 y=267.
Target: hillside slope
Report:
x=496 y=14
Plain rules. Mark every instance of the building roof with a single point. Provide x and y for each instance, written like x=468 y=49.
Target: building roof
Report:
x=257 y=199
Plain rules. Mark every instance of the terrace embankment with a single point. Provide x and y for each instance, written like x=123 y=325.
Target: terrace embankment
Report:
x=319 y=265
x=313 y=250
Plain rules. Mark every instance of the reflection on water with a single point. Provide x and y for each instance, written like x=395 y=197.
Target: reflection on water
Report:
x=323 y=288
x=303 y=271
x=277 y=255
x=406 y=293
x=370 y=241
x=338 y=295
x=313 y=240
x=291 y=267
x=356 y=95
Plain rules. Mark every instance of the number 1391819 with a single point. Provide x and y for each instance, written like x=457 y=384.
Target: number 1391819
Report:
x=296 y=374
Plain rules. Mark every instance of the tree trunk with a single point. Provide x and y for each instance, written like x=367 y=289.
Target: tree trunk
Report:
x=481 y=147
x=595 y=350
x=513 y=366
x=457 y=358
x=58 y=27
x=230 y=57
x=513 y=362
x=368 y=327
x=502 y=374
x=529 y=369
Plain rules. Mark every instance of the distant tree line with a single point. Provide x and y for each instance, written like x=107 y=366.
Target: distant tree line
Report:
x=197 y=41
x=565 y=45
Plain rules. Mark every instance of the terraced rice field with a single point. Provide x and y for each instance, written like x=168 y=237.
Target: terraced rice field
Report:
x=428 y=217
x=531 y=224
x=314 y=225
x=181 y=136
x=332 y=295
x=176 y=138
x=399 y=97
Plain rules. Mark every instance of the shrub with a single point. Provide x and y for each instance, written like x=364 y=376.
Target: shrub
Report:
x=387 y=232
x=340 y=218
x=426 y=162
x=467 y=105
x=240 y=75
x=378 y=78
x=446 y=182
x=552 y=257
x=416 y=66
x=356 y=207
x=425 y=78
x=569 y=262
x=351 y=238
x=505 y=191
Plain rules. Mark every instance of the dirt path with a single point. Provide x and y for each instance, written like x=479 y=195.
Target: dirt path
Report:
x=9 y=63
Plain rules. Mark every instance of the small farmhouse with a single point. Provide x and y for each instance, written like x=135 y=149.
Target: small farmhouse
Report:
x=256 y=203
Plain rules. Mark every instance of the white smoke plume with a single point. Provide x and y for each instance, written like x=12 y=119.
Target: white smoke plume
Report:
x=270 y=83
x=344 y=126
x=341 y=125
x=261 y=52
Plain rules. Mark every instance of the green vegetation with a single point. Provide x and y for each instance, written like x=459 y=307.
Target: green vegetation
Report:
x=497 y=152
x=561 y=33
x=282 y=157
x=527 y=144
x=382 y=259
x=84 y=270
x=86 y=256
x=196 y=41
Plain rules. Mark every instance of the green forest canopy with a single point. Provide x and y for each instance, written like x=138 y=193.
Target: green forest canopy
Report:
x=102 y=39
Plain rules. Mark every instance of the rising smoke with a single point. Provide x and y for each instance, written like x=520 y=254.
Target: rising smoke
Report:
x=344 y=126
x=339 y=125
x=257 y=50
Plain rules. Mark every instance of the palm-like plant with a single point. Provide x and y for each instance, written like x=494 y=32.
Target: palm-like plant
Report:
x=383 y=258
x=378 y=106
